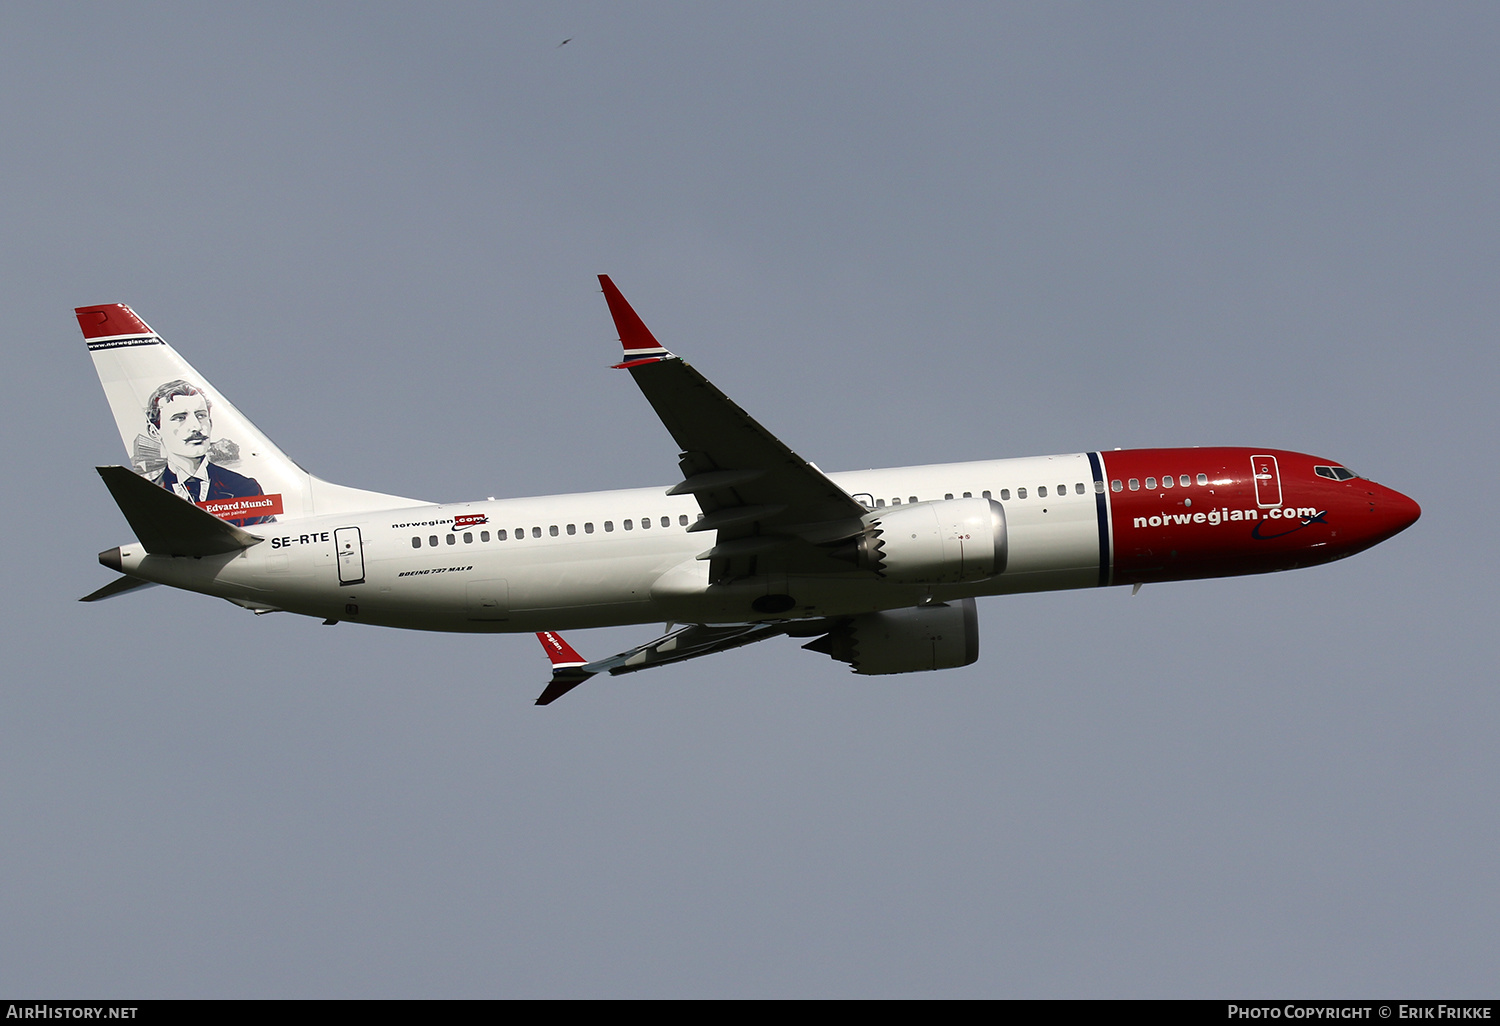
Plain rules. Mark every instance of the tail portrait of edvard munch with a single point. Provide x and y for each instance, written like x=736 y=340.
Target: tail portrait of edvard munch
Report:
x=179 y=453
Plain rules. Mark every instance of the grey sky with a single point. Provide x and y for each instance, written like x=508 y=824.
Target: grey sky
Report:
x=895 y=234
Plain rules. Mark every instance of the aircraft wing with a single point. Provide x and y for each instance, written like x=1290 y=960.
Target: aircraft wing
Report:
x=767 y=503
x=569 y=669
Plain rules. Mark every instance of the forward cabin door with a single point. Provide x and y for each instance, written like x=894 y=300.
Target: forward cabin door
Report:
x=1267 y=481
x=351 y=555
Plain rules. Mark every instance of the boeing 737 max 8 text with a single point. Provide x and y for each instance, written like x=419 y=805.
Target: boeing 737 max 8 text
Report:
x=876 y=568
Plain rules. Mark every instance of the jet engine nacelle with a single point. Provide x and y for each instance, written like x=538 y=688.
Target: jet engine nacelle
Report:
x=936 y=637
x=949 y=542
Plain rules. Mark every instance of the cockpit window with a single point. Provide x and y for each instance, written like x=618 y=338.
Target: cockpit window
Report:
x=1334 y=473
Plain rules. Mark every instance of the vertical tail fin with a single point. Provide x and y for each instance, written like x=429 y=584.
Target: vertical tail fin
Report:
x=181 y=433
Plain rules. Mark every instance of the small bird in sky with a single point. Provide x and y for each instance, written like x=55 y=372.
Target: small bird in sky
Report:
x=564 y=43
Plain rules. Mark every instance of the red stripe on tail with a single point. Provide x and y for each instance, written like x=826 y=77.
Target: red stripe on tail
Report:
x=110 y=319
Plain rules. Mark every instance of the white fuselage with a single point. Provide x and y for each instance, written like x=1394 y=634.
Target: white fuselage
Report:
x=590 y=560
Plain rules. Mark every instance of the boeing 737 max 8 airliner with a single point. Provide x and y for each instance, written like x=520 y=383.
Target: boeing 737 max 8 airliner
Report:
x=879 y=568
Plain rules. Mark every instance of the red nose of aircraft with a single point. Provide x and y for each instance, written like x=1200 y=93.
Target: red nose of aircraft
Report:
x=1390 y=512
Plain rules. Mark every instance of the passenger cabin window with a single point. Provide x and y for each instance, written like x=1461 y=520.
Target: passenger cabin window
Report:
x=484 y=536
x=968 y=495
x=1135 y=484
x=1184 y=480
x=986 y=494
x=572 y=528
x=432 y=539
x=1041 y=492
x=468 y=537
x=666 y=521
x=1020 y=493
x=628 y=525
x=1116 y=485
x=552 y=530
x=1167 y=481
x=609 y=526
x=501 y=535
x=416 y=543
x=681 y=521
x=1150 y=484
x=1098 y=487
x=1203 y=479
x=912 y=499
x=1005 y=495
x=588 y=528
x=947 y=495
x=536 y=532
x=452 y=540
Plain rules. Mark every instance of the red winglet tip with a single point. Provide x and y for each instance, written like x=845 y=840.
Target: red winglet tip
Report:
x=559 y=651
x=634 y=335
x=110 y=319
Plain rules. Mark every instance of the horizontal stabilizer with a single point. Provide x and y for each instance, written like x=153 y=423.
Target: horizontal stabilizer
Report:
x=166 y=525
x=118 y=586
